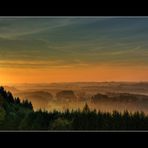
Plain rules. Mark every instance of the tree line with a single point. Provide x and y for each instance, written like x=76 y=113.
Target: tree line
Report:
x=19 y=115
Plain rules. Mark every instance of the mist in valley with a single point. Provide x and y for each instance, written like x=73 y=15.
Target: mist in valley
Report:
x=103 y=96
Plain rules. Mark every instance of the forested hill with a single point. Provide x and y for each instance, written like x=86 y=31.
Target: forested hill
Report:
x=12 y=110
x=19 y=115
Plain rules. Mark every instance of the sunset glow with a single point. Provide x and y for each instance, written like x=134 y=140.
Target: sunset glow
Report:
x=72 y=75
x=45 y=50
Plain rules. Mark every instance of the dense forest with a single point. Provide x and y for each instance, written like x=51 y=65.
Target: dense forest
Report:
x=19 y=115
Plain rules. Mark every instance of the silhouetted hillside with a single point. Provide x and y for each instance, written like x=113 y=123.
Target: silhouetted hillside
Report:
x=66 y=95
x=12 y=110
x=120 y=97
x=39 y=99
x=19 y=115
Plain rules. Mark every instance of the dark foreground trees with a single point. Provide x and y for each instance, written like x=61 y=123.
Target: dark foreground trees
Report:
x=17 y=115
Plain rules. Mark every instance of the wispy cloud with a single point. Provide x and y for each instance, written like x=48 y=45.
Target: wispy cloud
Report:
x=37 y=42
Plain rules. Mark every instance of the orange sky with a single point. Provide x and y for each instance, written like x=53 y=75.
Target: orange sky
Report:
x=72 y=49
x=73 y=74
x=37 y=50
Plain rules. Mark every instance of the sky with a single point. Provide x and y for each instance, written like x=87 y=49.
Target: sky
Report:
x=73 y=49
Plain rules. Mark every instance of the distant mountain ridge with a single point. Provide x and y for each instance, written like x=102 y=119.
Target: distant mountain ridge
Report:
x=48 y=95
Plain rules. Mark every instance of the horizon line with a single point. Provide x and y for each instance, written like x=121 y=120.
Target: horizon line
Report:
x=29 y=83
